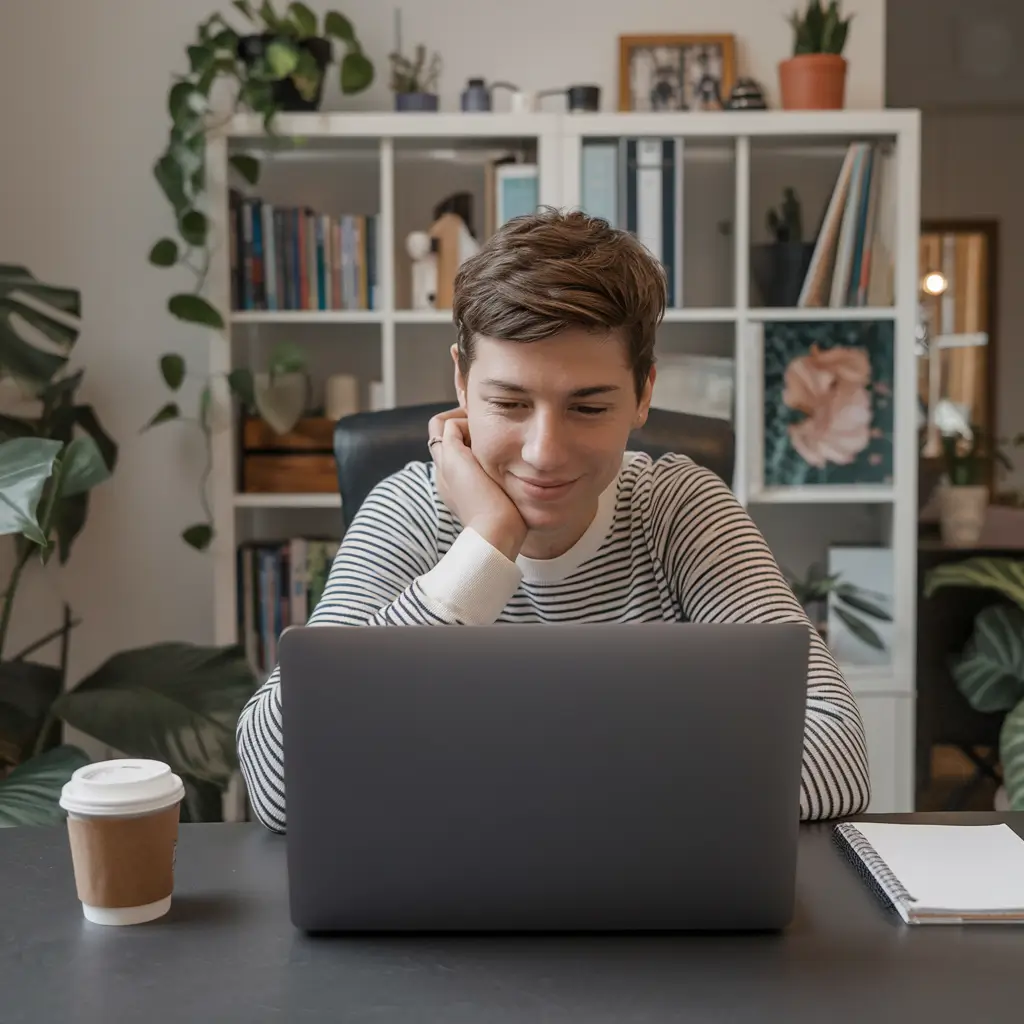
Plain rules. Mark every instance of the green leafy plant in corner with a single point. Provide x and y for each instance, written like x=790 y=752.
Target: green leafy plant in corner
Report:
x=990 y=670
x=177 y=702
x=852 y=605
x=821 y=29
x=276 y=50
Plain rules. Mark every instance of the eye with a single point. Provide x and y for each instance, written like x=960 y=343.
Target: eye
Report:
x=591 y=410
x=505 y=406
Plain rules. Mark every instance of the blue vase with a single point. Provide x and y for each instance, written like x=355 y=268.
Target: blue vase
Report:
x=416 y=101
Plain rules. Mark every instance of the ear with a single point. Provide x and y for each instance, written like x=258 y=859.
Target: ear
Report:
x=644 y=405
x=460 y=381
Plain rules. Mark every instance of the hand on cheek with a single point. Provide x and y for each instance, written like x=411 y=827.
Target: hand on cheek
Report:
x=473 y=497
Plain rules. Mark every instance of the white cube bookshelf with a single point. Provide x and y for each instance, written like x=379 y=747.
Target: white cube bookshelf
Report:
x=402 y=164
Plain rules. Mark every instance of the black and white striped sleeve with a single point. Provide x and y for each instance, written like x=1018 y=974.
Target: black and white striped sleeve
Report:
x=387 y=573
x=723 y=571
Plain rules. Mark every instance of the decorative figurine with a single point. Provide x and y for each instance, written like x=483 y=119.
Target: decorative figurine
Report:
x=746 y=94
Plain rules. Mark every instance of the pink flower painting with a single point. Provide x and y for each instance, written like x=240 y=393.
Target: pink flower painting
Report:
x=831 y=387
x=828 y=410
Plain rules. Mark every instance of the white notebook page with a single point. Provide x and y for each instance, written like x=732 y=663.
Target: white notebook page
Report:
x=953 y=867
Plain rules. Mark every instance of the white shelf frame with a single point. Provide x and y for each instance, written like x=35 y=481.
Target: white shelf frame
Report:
x=558 y=139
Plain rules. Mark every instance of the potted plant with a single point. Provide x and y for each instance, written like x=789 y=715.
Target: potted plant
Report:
x=279 y=65
x=779 y=267
x=814 y=78
x=413 y=81
x=175 y=701
x=964 y=492
x=990 y=671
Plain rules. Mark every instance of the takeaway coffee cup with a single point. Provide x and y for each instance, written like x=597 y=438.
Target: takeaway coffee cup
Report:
x=122 y=818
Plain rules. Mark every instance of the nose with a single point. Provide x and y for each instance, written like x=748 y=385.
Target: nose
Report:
x=545 y=446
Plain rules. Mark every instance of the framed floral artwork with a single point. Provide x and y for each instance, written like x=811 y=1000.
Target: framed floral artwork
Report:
x=828 y=403
x=676 y=72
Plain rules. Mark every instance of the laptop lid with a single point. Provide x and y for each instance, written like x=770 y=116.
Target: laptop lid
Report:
x=543 y=777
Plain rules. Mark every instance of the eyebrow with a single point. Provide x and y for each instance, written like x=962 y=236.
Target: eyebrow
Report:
x=597 y=389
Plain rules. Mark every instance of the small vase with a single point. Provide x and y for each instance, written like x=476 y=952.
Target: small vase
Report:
x=962 y=514
x=281 y=402
x=416 y=101
x=813 y=81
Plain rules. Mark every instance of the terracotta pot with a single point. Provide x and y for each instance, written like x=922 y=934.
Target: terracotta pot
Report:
x=962 y=514
x=813 y=81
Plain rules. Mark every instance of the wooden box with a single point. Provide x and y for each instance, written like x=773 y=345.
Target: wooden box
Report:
x=299 y=462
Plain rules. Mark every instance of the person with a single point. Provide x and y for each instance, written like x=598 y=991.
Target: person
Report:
x=530 y=508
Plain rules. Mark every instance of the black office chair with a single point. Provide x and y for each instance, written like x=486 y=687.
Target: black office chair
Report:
x=370 y=446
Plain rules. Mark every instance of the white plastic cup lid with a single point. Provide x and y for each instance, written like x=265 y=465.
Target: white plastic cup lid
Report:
x=126 y=785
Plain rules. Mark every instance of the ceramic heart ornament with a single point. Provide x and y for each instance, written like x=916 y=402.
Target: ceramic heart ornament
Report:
x=281 y=399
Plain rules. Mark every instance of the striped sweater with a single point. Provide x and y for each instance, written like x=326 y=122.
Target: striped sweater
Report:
x=669 y=542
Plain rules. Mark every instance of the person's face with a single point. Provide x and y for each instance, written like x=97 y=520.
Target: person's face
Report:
x=549 y=421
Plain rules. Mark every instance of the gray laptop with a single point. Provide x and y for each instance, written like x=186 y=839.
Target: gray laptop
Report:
x=620 y=777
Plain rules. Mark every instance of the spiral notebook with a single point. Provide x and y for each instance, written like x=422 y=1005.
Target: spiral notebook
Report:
x=940 y=874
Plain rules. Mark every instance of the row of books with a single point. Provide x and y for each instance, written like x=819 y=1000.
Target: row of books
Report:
x=296 y=258
x=279 y=585
x=851 y=262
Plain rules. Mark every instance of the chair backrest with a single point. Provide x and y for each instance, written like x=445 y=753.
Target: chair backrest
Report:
x=370 y=446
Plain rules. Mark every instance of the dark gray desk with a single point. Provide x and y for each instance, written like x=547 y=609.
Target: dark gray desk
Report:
x=227 y=952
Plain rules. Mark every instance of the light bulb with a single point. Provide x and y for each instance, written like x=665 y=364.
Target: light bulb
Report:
x=934 y=283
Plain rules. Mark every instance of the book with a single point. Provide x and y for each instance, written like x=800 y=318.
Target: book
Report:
x=940 y=874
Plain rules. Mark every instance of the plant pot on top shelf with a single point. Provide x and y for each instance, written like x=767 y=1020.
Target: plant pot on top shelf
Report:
x=814 y=78
x=285 y=92
x=416 y=101
x=414 y=80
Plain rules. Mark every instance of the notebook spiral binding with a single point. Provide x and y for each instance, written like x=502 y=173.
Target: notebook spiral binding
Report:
x=870 y=866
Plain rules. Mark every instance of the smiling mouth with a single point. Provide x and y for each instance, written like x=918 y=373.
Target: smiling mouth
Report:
x=545 y=488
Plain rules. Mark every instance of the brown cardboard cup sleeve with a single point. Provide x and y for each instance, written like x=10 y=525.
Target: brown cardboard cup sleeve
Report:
x=124 y=862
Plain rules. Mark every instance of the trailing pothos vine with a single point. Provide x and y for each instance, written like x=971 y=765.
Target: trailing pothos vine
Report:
x=280 y=65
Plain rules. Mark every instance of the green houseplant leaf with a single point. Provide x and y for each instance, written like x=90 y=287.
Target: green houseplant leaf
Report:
x=195 y=309
x=82 y=467
x=990 y=673
x=1011 y=754
x=164 y=253
x=1004 y=575
x=30 y=794
x=26 y=463
x=175 y=702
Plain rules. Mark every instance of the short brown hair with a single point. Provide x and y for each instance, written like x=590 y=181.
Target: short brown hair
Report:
x=543 y=273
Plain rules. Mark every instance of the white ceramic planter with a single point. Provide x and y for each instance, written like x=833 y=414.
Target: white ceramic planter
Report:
x=962 y=514
x=282 y=402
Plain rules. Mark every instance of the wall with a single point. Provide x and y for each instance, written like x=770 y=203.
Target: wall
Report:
x=963 y=65
x=83 y=118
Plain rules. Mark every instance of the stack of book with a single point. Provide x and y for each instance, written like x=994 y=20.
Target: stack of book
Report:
x=279 y=585
x=852 y=260
x=295 y=258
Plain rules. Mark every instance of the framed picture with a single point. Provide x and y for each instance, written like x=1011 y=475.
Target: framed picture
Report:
x=671 y=72
x=827 y=415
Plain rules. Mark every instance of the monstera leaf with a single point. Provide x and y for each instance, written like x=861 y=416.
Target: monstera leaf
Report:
x=175 y=702
x=38 y=327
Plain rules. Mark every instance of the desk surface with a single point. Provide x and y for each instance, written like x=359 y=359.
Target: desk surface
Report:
x=228 y=952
